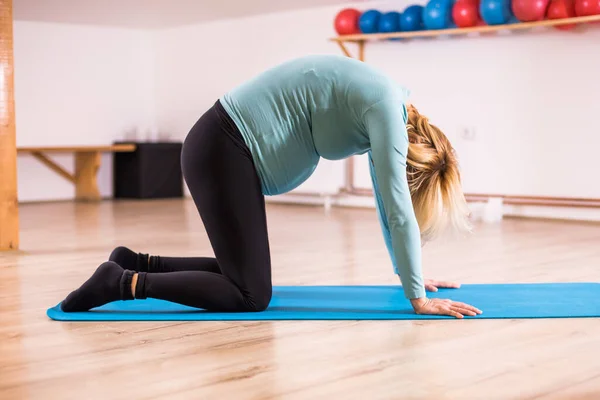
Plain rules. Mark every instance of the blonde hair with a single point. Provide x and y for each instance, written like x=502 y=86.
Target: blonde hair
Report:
x=434 y=179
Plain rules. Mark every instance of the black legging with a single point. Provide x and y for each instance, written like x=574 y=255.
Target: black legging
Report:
x=219 y=171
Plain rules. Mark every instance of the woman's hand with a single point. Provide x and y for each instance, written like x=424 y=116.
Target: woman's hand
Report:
x=456 y=309
x=432 y=286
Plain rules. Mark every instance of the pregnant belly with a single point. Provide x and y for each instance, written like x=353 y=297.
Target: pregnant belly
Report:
x=286 y=174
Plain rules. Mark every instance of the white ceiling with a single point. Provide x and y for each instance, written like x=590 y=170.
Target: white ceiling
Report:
x=152 y=14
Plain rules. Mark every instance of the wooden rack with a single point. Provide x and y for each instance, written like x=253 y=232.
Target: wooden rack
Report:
x=360 y=39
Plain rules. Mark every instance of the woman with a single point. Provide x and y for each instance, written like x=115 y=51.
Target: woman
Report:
x=266 y=137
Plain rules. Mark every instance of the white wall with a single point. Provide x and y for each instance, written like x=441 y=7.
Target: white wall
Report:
x=197 y=64
x=531 y=98
x=77 y=85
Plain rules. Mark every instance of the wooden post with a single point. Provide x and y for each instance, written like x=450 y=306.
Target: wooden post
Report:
x=86 y=171
x=361 y=50
x=9 y=209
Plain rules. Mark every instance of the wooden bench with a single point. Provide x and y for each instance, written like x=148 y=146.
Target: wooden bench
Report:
x=86 y=165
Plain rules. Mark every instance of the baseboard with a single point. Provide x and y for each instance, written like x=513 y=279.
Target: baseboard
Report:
x=548 y=212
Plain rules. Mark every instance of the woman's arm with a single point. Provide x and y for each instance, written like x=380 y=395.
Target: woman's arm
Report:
x=430 y=285
x=385 y=124
x=381 y=215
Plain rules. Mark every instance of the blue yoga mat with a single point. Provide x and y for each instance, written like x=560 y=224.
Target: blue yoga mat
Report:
x=545 y=300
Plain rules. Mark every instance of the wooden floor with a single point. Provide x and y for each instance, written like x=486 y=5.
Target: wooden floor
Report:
x=487 y=359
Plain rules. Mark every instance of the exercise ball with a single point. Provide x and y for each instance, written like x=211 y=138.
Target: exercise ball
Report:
x=587 y=7
x=465 y=13
x=495 y=12
x=346 y=22
x=437 y=14
x=369 y=21
x=412 y=19
x=558 y=9
x=389 y=22
x=530 y=10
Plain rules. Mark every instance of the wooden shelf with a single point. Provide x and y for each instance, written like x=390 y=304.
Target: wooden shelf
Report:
x=361 y=38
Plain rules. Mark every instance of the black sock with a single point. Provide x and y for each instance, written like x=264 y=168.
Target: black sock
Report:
x=109 y=283
x=129 y=259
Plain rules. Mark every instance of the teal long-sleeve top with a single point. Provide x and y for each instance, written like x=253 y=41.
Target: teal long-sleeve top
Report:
x=333 y=107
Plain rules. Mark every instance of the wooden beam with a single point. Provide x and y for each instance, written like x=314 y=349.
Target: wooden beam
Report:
x=9 y=209
x=465 y=31
x=54 y=166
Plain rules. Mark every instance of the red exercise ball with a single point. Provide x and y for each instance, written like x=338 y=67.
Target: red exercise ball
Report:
x=530 y=10
x=465 y=13
x=587 y=7
x=561 y=9
x=346 y=21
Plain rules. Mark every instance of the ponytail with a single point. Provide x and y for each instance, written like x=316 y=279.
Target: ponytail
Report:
x=434 y=179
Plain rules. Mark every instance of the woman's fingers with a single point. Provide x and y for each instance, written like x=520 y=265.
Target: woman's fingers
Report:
x=447 y=309
x=466 y=306
x=441 y=284
x=445 y=284
x=454 y=313
x=457 y=309
x=431 y=288
x=464 y=311
x=454 y=309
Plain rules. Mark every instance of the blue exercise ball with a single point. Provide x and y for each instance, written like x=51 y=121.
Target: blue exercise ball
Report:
x=389 y=22
x=412 y=19
x=437 y=14
x=495 y=12
x=369 y=21
x=513 y=20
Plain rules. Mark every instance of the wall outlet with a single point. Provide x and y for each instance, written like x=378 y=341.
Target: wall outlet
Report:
x=468 y=133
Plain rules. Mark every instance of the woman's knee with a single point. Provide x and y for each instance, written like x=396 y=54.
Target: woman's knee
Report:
x=260 y=300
